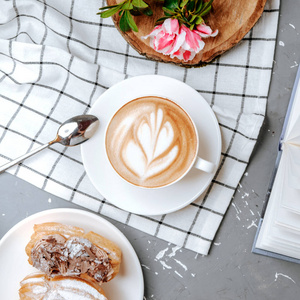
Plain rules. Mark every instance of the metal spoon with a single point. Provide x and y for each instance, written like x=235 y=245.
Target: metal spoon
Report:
x=72 y=132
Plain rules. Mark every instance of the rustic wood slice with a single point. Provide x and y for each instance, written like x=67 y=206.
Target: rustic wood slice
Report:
x=233 y=19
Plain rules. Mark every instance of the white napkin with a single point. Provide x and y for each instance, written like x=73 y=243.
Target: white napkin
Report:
x=57 y=57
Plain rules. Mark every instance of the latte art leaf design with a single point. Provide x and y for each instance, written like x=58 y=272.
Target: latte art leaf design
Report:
x=152 y=150
x=151 y=142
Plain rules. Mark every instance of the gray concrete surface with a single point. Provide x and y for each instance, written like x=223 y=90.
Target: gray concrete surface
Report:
x=230 y=271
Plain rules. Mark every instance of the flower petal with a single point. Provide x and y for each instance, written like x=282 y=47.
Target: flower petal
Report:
x=174 y=25
x=187 y=55
x=205 y=31
x=192 y=39
x=167 y=41
x=178 y=41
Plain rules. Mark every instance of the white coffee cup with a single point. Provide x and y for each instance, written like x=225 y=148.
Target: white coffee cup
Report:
x=152 y=142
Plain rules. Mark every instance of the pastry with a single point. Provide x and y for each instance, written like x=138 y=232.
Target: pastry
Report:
x=39 y=286
x=58 y=249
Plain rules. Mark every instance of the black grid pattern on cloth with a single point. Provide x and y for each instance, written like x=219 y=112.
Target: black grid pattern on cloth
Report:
x=58 y=57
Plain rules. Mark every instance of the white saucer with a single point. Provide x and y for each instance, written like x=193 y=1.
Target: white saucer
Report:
x=139 y=200
x=127 y=285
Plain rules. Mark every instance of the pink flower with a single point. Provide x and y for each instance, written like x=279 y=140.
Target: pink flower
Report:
x=205 y=31
x=176 y=40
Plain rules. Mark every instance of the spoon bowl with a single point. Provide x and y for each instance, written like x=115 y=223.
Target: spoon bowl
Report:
x=72 y=132
x=76 y=130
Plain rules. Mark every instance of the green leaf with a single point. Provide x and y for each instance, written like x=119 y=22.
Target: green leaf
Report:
x=206 y=5
x=124 y=26
x=135 y=11
x=107 y=7
x=139 y=3
x=199 y=20
x=171 y=4
x=168 y=11
x=108 y=13
x=130 y=21
x=185 y=19
x=193 y=18
x=205 y=12
x=127 y=6
x=183 y=3
x=147 y=11
x=161 y=20
x=190 y=6
x=199 y=5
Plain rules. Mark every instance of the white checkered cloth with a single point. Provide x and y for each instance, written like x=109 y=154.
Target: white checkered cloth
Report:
x=57 y=57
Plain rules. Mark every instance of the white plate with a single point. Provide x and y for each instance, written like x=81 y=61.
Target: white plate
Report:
x=139 y=200
x=127 y=285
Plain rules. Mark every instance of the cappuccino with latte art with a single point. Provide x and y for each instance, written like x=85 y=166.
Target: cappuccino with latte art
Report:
x=151 y=142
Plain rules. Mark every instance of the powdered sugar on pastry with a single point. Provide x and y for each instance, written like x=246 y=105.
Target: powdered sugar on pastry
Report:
x=42 y=287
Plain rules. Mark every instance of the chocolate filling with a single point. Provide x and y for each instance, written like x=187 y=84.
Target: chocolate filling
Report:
x=54 y=254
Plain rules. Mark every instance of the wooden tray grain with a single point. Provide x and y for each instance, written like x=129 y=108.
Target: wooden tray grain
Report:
x=233 y=19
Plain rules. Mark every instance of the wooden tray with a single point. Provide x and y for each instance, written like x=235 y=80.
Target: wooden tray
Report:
x=233 y=19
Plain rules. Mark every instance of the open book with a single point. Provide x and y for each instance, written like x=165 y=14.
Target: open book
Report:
x=278 y=233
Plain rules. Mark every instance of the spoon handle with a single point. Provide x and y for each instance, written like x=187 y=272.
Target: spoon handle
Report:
x=23 y=157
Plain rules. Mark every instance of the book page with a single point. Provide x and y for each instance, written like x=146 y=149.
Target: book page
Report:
x=291 y=143
x=280 y=229
x=292 y=153
x=293 y=125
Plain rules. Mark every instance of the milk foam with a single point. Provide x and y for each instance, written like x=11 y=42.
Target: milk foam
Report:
x=151 y=140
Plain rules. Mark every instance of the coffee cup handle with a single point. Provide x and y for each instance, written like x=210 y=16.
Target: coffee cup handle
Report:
x=204 y=165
